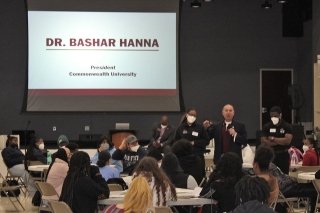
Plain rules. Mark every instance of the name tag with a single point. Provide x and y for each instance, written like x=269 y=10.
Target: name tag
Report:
x=184 y=132
x=195 y=134
x=273 y=130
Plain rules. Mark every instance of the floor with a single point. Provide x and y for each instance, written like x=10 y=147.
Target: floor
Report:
x=6 y=205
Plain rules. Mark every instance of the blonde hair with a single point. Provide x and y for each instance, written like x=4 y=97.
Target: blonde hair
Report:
x=139 y=196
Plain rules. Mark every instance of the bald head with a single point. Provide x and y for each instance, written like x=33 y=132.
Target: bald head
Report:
x=228 y=112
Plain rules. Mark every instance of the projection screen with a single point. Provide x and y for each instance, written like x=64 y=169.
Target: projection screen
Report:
x=103 y=55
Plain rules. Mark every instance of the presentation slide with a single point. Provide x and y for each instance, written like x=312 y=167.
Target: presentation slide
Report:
x=88 y=59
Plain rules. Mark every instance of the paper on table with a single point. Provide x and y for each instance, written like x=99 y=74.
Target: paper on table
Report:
x=185 y=193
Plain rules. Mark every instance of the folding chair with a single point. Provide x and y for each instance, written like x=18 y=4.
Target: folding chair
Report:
x=59 y=207
x=48 y=193
x=6 y=189
x=288 y=201
x=115 y=187
x=20 y=181
x=36 y=178
x=316 y=184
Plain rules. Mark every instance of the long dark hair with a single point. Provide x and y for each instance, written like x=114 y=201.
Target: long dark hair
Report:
x=252 y=188
x=228 y=169
x=79 y=167
x=148 y=167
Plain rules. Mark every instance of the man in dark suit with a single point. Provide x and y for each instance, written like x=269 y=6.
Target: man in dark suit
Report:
x=162 y=135
x=229 y=135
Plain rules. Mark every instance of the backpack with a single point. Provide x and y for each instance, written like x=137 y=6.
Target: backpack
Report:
x=12 y=193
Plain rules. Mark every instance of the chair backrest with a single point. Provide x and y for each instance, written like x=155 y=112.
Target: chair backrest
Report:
x=316 y=184
x=34 y=162
x=115 y=187
x=118 y=181
x=59 y=207
x=46 y=189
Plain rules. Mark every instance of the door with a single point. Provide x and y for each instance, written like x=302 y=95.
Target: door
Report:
x=274 y=84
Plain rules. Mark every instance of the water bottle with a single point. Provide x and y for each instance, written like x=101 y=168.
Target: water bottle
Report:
x=49 y=158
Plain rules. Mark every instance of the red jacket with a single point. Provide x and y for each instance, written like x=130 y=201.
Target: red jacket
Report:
x=310 y=158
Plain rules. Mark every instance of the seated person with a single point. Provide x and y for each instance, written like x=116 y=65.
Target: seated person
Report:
x=83 y=185
x=73 y=147
x=36 y=151
x=189 y=162
x=290 y=187
x=162 y=135
x=104 y=166
x=58 y=169
x=171 y=167
x=156 y=154
x=130 y=152
x=222 y=181
x=262 y=159
x=252 y=194
x=14 y=158
x=105 y=145
x=161 y=186
x=137 y=199
x=62 y=141
x=310 y=155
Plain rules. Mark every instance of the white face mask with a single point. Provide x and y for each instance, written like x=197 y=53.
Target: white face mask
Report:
x=41 y=146
x=305 y=148
x=191 y=119
x=275 y=120
x=134 y=148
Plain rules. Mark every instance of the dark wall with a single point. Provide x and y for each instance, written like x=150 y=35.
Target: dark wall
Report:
x=316 y=28
x=223 y=45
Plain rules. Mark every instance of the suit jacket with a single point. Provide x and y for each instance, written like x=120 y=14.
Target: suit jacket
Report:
x=167 y=136
x=235 y=145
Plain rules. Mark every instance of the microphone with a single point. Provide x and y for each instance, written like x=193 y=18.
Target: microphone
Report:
x=230 y=126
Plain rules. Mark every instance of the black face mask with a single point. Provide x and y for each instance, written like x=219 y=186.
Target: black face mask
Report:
x=14 y=145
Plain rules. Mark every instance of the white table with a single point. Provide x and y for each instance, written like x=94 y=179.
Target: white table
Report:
x=38 y=168
x=186 y=197
x=306 y=175
x=247 y=165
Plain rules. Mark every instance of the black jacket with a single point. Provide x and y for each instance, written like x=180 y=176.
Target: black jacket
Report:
x=196 y=133
x=191 y=165
x=12 y=156
x=166 y=138
x=235 y=145
x=130 y=159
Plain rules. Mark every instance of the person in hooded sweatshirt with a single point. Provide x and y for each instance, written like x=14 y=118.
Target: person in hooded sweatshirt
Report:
x=252 y=194
x=189 y=162
x=170 y=165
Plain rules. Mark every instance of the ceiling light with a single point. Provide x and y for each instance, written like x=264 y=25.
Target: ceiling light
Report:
x=266 y=5
x=195 y=4
x=282 y=1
